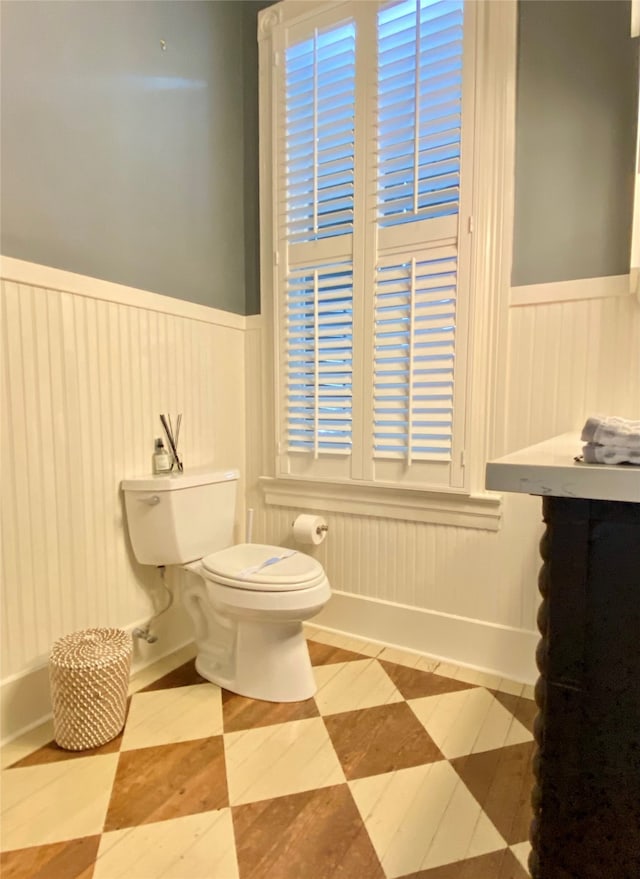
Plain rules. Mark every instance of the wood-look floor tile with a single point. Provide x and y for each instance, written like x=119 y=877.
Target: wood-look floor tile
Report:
x=239 y=712
x=72 y=859
x=317 y=834
x=501 y=781
x=52 y=753
x=496 y=865
x=414 y=683
x=183 y=676
x=168 y=781
x=346 y=686
x=324 y=654
x=524 y=710
x=423 y=817
x=197 y=846
x=381 y=739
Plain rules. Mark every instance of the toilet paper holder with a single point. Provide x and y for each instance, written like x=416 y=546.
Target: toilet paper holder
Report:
x=320 y=529
x=310 y=529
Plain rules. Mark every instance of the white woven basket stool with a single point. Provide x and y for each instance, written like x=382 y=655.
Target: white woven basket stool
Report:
x=89 y=677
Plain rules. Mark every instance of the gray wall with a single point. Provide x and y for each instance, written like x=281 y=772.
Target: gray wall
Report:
x=126 y=162
x=575 y=144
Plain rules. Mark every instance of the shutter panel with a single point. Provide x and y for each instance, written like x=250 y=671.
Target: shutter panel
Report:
x=319 y=135
x=418 y=145
x=319 y=340
x=414 y=355
x=419 y=109
x=316 y=214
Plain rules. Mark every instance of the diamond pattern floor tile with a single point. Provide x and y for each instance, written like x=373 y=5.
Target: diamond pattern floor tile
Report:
x=53 y=753
x=197 y=846
x=524 y=710
x=521 y=852
x=497 y=865
x=72 y=859
x=183 y=676
x=325 y=654
x=398 y=768
x=239 y=712
x=380 y=739
x=501 y=782
x=155 y=784
x=55 y=801
x=413 y=682
x=276 y=760
x=317 y=834
x=468 y=722
x=179 y=714
x=423 y=817
x=349 y=685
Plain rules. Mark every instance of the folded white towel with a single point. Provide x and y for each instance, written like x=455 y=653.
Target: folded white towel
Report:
x=594 y=453
x=609 y=430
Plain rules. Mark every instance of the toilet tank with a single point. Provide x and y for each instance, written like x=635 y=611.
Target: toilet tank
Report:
x=181 y=517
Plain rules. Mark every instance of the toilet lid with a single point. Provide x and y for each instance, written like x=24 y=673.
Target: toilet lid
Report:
x=269 y=568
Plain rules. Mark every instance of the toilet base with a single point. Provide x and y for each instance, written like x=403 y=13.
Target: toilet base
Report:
x=271 y=662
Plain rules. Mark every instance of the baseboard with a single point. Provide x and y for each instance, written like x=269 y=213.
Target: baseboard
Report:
x=500 y=650
x=25 y=700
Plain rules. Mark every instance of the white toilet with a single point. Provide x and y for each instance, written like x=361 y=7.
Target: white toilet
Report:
x=247 y=601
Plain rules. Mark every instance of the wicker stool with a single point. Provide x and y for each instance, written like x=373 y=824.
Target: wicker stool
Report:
x=89 y=677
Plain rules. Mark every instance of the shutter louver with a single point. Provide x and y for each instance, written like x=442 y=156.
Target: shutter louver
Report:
x=419 y=110
x=414 y=356
x=319 y=341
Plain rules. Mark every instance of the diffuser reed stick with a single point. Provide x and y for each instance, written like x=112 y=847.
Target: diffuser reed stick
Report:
x=173 y=442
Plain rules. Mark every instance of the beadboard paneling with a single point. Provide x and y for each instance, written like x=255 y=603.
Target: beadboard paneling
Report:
x=83 y=381
x=566 y=360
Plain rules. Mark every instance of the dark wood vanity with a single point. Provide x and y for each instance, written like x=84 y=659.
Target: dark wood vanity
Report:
x=586 y=799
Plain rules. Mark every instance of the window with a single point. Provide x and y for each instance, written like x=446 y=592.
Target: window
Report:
x=368 y=131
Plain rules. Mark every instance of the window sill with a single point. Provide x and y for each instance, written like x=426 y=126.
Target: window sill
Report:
x=483 y=511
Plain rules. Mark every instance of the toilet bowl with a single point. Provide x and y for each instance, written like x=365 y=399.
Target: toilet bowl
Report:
x=247 y=602
x=248 y=626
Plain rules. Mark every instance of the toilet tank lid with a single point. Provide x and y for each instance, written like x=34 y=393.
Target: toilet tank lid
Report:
x=176 y=480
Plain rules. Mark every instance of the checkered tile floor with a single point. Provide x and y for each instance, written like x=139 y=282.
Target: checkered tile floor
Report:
x=399 y=767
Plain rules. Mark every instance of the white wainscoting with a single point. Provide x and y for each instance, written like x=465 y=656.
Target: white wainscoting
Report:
x=567 y=359
x=86 y=372
x=85 y=376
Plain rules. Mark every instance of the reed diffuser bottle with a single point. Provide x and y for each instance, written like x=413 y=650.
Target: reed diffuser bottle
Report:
x=162 y=460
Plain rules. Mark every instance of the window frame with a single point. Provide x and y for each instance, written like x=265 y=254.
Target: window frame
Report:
x=490 y=269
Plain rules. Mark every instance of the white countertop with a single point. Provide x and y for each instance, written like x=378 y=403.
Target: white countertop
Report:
x=549 y=468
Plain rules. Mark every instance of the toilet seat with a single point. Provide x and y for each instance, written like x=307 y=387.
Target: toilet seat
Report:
x=243 y=567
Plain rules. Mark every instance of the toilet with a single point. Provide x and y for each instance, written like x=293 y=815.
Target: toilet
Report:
x=247 y=601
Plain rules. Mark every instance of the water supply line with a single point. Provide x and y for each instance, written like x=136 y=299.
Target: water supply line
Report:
x=144 y=632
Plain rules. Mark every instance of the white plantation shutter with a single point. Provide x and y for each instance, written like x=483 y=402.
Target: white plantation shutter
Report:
x=418 y=145
x=414 y=348
x=319 y=336
x=320 y=106
x=370 y=280
x=419 y=109
x=315 y=230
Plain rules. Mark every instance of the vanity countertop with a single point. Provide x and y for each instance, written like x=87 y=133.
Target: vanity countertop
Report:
x=549 y=468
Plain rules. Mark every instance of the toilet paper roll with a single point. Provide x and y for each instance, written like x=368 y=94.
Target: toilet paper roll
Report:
x=310 y=529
